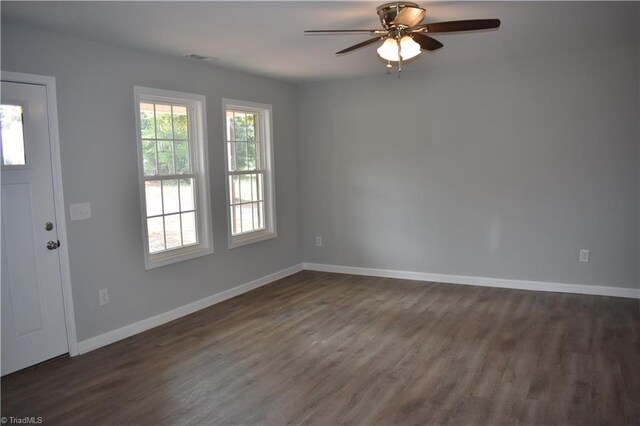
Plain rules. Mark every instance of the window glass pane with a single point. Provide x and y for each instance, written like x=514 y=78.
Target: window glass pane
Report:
x=170 y=196
x=260 y=215
x=12 y=135
x=182 y=156
x=236 y=220
x=149 y=157
x=231 y=153
x=189 y=228
x=165 y=158
x=252 y=158
x=180 y=123
x=163 y=121
x=251 y=130
x=186 y=195
x=155 y=228
x=153 y=196
x=230 y=135
x=245 y=188
x=247 y=217
x=241 y=155
x=172 y=231
x=147 y=121
x=239 y=126
x=260 y=187
x=234 y=189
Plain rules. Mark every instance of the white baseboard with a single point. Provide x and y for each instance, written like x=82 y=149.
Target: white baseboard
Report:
x=479 y=281
x=146 y=324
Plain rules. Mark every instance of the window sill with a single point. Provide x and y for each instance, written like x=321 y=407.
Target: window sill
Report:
x=174 y=256
x=250 y=238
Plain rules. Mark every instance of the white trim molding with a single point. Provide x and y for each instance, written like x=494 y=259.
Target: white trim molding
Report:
x=148 y=323
x=632 y=293
x=265 y=150
x=58 y=197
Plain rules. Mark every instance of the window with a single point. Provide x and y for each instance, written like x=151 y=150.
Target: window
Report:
x=249 y=165
x=12 y=135
x=174 y=178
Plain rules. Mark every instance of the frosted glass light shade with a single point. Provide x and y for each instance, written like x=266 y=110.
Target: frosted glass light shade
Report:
x=389 y=50
x=408 y=49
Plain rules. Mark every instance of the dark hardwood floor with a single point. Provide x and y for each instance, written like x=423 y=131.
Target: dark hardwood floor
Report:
x=318 y=348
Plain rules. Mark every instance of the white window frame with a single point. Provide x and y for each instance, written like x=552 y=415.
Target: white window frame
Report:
x=265 y=112
x=196 y=106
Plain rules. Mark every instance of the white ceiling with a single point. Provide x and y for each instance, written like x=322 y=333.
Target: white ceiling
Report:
x=267 y=37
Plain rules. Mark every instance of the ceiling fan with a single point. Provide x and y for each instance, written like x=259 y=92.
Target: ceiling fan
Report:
x=403 y=34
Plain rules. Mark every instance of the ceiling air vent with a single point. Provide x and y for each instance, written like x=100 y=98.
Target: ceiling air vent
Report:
x=200 y=58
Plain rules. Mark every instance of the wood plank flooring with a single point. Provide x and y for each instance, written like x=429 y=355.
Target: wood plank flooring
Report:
x=318 y=348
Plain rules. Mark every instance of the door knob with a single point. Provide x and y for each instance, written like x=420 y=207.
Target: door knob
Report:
x=52 y=245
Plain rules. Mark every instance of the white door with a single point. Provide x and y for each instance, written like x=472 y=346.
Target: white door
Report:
x=33 y=322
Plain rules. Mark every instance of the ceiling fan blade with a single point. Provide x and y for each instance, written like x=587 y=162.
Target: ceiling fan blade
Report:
x=345 y=32
x=426 y=42
x=359 y=45
x=455 y=26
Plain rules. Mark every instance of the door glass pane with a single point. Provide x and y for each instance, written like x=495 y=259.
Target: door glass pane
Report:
x=153 y=196
x=12 y=135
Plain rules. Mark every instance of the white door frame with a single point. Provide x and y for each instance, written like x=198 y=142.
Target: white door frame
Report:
x=56 y=170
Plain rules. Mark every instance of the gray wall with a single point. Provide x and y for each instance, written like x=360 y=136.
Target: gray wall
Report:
x=500 y=170
x=98 y=148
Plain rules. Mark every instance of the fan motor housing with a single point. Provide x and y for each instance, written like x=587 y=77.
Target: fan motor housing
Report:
x=400 y=14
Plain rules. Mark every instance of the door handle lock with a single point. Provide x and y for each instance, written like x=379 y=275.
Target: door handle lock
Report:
x=52 y=245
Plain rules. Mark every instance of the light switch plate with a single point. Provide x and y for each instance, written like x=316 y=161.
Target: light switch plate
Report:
x=80 y=211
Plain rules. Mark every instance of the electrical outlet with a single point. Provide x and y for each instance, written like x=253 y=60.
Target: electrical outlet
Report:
x=584 y=255
x=318 y=241
x=103 y=295
x=80 y=211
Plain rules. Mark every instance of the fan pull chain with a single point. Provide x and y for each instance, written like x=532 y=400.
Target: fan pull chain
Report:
x=399 y=57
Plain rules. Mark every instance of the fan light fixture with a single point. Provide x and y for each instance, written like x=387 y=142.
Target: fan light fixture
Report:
x=403 y=33
x=408 y=49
